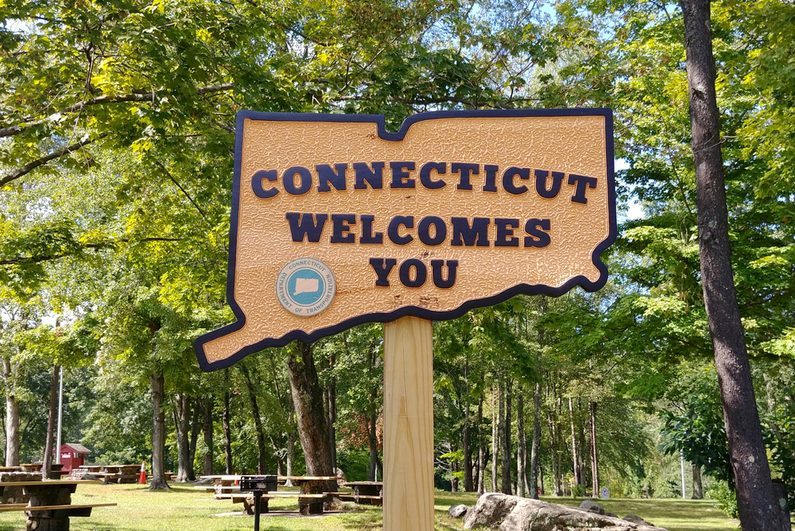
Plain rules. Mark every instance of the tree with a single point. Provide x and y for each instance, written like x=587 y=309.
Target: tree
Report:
x=749 y=459
x=308 y=401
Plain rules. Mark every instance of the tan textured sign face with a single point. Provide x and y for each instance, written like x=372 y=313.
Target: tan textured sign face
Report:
x=336 y=222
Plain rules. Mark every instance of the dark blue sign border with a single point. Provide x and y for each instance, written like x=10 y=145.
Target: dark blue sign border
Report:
x=408 y=310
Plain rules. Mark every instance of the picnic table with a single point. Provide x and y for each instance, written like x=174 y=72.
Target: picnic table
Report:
x=55 y=469
x=223 y=485
x=50 y=505
x=113 y=473
x=365 y=492
x=312 y=494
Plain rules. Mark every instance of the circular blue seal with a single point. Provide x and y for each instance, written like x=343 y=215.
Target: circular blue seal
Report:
x=305 y=286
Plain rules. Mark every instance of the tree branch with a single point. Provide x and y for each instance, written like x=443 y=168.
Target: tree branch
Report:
x=27 y=168
x=135 y=96
x=185 y=193
x=98 y=245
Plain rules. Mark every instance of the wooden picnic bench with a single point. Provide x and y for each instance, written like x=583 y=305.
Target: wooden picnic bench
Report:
x=364 y=492
x=223 y=485
x=114 y=473
x=311 y=495
x=50 y=507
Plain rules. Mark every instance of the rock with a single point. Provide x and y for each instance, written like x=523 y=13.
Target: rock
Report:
x=611 y=515
x=510 y=513
x=592 y=507
x=457 y=511
x=635 y=519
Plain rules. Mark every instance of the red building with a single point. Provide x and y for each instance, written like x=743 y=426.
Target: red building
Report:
x=73 y=455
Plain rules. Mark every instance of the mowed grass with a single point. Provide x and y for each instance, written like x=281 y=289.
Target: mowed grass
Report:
x=184 y=508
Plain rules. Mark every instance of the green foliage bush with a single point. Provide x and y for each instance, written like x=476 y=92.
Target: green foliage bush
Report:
x=725 y=497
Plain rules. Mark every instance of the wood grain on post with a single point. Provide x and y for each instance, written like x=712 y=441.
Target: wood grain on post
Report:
x=408 y=425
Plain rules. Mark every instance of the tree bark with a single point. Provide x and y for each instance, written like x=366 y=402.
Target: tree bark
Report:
x=195 y=428
x=466 y=439
x=521 y=450
x=181 y=425
x=207 y=432
x=331 y=398
x=594 y=451
x=481 y=450
x=262 y=466
x=372 y=442
x=12 y=415
x=574 y=454
x=495 y=439
x=755 y=496
x=698 y=488
x=46 y=466
x=158 y=433
x=581 y=444
x=226 y=424
x=506 y=437
x=308 y=401
x=536 y=443
x=554 y=447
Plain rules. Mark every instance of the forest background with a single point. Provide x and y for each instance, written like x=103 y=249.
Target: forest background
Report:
x=116 y=134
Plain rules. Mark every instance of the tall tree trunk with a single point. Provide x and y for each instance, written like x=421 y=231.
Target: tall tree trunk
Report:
x=158 y=433
x=755 y=495
x=181 y=426
x=262 y=466
x=541 y=480
x=506 y=437
x=698 y=488
x=561 y=444
x=521 y=447
x=225 y=422
x=279 y=464
x=554 y=437
x=453 y=469
x=195 y=428
x=575 y=458
x=289 y=456
x=46 y=466
x=467 y=447
x=582 y=460
x=594 y=452
x=207 y=432
x=12 y=415
x=495 y=438
x=466 y=438
x=331 y=398
x=372 y=440
x=308 y=401
x=481 y=449
x=536 y=443
x=291 y=431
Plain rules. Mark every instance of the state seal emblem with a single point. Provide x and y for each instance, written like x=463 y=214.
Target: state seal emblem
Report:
x=305 y=286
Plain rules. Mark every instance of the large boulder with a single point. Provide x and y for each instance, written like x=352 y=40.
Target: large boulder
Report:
x=634 y=518
x=457 y=511
x=592 y=507
x=510 y=513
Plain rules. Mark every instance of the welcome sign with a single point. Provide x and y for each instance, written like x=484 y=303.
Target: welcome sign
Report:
x=336 y=222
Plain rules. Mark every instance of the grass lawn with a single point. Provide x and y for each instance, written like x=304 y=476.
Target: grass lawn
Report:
x=184 y=508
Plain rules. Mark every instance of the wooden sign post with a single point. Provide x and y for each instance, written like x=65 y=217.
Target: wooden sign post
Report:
x=337 y=222
x=408 y=425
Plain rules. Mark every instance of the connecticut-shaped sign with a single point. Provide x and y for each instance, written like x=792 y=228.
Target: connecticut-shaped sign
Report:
x=336 y=222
